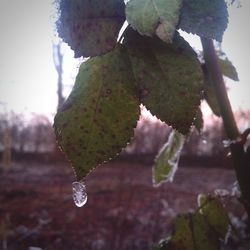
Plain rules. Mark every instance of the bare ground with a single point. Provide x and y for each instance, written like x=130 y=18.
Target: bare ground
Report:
x=123 y=210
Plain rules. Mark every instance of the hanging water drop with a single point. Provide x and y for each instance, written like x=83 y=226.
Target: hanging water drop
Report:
x=79 y=193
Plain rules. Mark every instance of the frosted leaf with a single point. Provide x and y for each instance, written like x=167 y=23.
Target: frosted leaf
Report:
x=221 y=192
x=166 y=162
x=213 y=210
x=236 y=192
x=90 y=27
x=227 y=143
x=150 y=17
x=79 y=193
x=174 y=165
x=205 y=18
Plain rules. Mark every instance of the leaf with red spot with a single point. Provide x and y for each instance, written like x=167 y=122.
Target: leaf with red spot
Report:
x=91 y=27
x=168 y=76
x=99 y=117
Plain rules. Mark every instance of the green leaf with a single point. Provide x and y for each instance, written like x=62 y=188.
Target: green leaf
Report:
x=91 y=27
x=209 y=93
x=166 y=161
x=169 y=78
x=204 y=237
x=182 y=238
x=215 y=214
x=151 y=17
x=228 y=69
x=207 y=18
x=98 y=118
x=193 y=232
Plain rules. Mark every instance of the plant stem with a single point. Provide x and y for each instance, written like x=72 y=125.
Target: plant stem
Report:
x=216 y=77
x=241 y=159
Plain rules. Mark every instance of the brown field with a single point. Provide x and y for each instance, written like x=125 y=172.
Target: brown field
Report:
x=123 y=210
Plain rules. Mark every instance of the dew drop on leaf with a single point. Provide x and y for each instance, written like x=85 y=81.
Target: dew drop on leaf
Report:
x=79 y=193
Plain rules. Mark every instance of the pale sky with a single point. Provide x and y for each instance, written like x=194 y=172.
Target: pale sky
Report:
x=27 y=75
x=28 y=80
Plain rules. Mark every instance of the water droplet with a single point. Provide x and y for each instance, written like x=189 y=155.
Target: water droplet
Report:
x=79 y=193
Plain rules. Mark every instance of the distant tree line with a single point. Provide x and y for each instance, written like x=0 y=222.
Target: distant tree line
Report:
x=28 y=137
x=35 y=136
